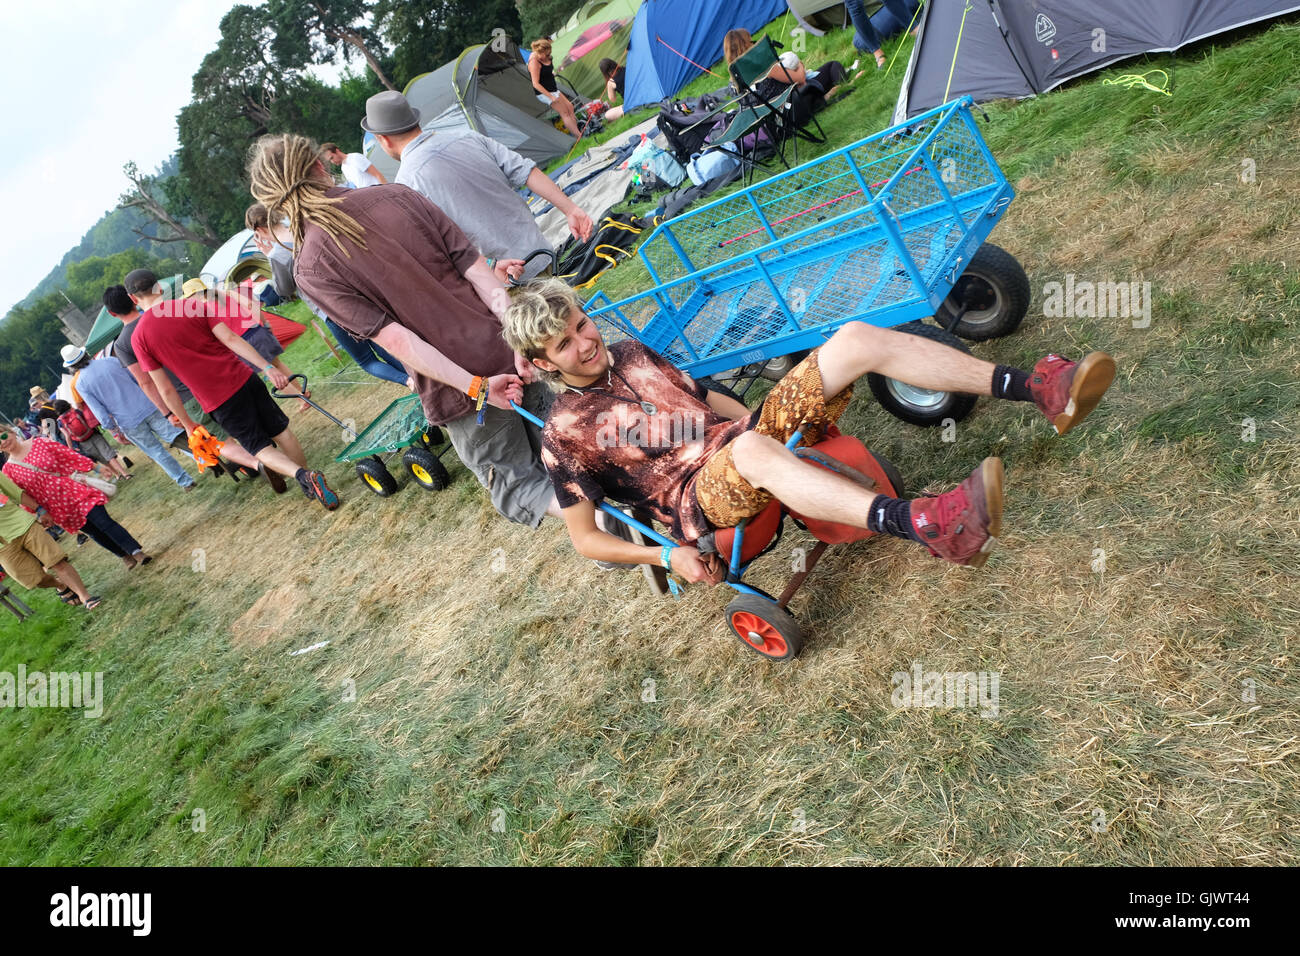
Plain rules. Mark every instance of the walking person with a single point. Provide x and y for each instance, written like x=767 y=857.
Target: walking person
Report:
x=27 y=553
x=47 y=471
x=193 y=340
x=390 y=266
x=277 y=246
x=114 y=396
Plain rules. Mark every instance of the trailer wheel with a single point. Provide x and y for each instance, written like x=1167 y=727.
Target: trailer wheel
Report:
x=376 y=476
x=776 y=369
x=922 y=406
x=995 y=291
x=425 y=468
x=432 y=437
x=764 y=627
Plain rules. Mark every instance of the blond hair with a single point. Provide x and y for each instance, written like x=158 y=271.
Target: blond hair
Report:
x=282 y=176
x=538 y=312
x=542 y=46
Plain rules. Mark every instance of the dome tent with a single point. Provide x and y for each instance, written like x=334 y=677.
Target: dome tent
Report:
x=668 y=34
x=597 y=31
x=483 y=90
x=1017 y=48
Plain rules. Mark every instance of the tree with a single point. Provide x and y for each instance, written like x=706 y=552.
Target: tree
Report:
x=321 y=31
x=541 y=18
x=426 y=35
x=148 y=196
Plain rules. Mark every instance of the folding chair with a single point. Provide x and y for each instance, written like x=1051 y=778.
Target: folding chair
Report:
x=777 y=114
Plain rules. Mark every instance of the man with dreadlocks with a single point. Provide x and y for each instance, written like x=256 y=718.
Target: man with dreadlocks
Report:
x=388 y=265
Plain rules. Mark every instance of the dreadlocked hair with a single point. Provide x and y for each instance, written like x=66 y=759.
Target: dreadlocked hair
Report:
x=282 y=176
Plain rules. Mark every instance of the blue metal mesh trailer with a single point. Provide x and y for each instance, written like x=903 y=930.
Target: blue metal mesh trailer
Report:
x=878 y=231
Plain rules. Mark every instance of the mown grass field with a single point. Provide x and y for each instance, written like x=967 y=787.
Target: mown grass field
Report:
x=515 y=705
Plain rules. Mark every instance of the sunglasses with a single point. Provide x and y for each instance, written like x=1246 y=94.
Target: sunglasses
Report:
x=4 y=436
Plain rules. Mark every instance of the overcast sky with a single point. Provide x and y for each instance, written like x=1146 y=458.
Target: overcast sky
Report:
x=72 y=72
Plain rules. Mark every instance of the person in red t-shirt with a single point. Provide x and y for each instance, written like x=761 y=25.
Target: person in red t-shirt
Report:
x=191 y=338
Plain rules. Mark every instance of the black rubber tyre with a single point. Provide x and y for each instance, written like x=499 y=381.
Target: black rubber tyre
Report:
x=996 y=290
x=766 y=629
x=892 y=473
x=432 y=437
x=375 y=476
x=425 y=468
x=776 y=369
x=919 y=406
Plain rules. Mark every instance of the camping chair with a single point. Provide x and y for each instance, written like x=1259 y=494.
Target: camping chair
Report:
x=775 y=115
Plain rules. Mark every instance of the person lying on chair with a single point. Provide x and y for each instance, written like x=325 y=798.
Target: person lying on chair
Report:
x=629 y=426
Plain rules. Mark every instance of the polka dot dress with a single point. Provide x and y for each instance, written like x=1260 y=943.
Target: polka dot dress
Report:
x=67 y=501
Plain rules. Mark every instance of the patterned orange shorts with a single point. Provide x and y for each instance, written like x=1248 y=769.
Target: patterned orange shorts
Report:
x=724 y=496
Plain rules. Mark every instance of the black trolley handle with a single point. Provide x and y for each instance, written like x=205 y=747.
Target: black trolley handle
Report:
x=549 y=253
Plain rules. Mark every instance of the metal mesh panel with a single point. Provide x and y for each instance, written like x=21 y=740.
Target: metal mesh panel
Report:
x=839 y=270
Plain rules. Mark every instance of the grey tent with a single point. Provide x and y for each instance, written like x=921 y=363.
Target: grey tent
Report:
x=484 y=90
x=1016 y=48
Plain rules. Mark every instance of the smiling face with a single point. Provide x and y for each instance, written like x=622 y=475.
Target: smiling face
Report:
x=578 y=353
x=8 y=440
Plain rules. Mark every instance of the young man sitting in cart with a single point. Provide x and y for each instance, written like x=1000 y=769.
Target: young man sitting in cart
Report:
x=723 y=462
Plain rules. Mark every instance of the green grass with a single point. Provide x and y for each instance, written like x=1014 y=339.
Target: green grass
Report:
x=522 y=697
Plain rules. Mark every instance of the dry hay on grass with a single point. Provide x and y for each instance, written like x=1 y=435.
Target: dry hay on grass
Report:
x=508 y=672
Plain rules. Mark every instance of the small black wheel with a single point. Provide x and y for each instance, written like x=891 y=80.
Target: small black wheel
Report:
x=922 y=406
x=432 y=437
x=375 y=476
x=892 y=473
x=776 y=369
x=425 y=468
x=995 y=291
x=765 y=628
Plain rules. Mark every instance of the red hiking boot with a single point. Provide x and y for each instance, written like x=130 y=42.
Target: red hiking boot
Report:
x=962 y=525
x=1067 y=391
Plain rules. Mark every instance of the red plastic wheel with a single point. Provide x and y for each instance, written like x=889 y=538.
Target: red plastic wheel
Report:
x=764 y=627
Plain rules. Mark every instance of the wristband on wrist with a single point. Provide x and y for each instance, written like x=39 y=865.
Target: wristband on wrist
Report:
x=267 y=368
x=666 y=557
x=475 y=386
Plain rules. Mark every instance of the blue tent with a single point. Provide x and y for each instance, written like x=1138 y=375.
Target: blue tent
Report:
x=694 y=30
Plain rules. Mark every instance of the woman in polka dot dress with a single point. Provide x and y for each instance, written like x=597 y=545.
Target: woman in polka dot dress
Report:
x=72 y=505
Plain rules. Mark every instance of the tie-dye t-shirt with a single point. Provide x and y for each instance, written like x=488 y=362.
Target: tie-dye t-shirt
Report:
x=599 y=443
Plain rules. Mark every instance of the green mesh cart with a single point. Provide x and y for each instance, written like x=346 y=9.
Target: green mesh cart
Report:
x=401 y=427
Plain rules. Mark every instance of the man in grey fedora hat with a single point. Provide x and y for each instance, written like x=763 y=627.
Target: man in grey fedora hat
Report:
x=473 y=179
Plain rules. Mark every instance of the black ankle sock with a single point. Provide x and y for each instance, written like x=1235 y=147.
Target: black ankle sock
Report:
x=1011 y=383
x=892 y=516
x=301 y=474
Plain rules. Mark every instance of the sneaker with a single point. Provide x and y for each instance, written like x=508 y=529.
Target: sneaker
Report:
x=962 y=525
x=315 y=487
x=1067 y=391
x=276 y=479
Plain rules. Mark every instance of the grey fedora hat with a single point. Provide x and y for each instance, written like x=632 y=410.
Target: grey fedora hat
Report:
x=388 y=113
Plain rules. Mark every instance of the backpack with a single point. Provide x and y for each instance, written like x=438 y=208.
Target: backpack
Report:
x=687 y=124
x=78 y=424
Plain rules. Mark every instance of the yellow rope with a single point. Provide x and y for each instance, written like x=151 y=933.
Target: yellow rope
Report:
x=1130 y=80
x=952 y=69
x=899 y=48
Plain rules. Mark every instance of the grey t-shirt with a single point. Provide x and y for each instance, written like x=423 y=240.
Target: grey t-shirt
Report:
x=124 y=352
x=473 y=180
